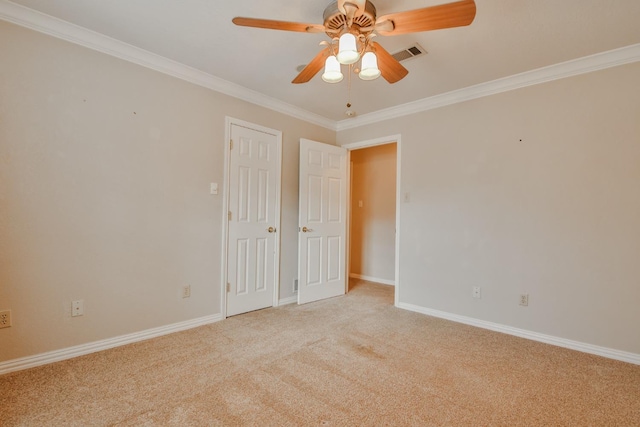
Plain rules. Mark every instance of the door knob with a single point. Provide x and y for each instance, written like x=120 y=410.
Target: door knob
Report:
x=305 y=229
x=271 y=230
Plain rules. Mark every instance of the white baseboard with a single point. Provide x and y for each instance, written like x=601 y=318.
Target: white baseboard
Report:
x=290 y=300
x=372 y=279
x=92 y=347
x=523 y=333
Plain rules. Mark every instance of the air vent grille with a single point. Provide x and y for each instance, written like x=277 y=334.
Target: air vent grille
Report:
x=410 y=52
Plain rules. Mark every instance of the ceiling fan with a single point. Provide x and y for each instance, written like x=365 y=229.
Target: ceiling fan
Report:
x=352 y=24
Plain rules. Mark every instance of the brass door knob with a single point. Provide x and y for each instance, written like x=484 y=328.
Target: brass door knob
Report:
x=305 y=229
x=271 y=230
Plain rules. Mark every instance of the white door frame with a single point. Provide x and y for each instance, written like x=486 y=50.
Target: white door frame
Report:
x=228 y=122
x=366 y=144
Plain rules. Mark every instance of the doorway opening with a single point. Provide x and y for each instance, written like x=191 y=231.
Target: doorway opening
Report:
x=374 y=211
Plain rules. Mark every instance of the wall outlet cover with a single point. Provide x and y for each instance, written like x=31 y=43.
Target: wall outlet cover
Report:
x=5 y=318
x=477 y=292
x=77 y=308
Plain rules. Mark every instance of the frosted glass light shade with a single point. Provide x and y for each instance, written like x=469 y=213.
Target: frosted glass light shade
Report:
x=332 y=73
x=370 y=69
x=347 y=51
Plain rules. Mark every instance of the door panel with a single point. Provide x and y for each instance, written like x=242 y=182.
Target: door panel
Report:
x=334 y=255
x=314 y=212
x=262 y=258
x=335 y=200
x=251 y=263
x=322 y=221
x=263 y=196
x=314 y=260
x=242 y=266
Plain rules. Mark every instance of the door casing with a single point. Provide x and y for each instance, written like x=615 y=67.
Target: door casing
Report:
x=352 y=146
x=366 y=144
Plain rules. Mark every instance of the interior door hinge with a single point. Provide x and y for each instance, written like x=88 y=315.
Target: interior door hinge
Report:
x=231 y=144
x=228 y=287
x=229 y=216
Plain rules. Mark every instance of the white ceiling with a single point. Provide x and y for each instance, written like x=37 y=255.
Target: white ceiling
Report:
x=507 y=37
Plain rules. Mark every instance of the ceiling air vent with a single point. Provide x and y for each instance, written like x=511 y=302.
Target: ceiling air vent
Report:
x=410 y=52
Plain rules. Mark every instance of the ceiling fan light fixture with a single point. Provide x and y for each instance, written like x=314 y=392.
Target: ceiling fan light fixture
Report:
x=332 y=73
x=347 y=49
x=353 y=24
x=370 y=70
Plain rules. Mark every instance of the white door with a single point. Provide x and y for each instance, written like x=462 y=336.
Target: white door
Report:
x=322 y=224
x=254 y=179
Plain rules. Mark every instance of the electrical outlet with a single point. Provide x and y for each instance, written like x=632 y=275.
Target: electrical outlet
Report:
x=186 y=291
x=77 y=308
x=5 y=318
x=524 y=299
x=477 y=292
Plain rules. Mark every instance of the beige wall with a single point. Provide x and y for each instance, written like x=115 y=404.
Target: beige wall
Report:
x=104 y=193
x=531 y=191
x=105 y=168
x=373 y=225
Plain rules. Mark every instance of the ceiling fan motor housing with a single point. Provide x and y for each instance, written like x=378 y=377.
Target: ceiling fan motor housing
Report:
x=335 y=21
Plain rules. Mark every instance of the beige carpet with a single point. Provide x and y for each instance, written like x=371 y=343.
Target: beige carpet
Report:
x=352 y=360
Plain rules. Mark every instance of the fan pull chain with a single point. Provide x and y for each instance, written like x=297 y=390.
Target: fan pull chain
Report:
x=349 y=112
x=349 y=86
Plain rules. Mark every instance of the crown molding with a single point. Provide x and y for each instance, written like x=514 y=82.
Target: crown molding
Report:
x=46 y=24
x=587 y=64
x=58 y=28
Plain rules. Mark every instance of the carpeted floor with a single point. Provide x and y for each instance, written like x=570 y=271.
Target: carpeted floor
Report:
x=348 y=361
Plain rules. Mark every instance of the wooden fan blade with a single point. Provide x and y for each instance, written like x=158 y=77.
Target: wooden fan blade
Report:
x=390 y=68
x=449 y=15
x=312 y=67
x=278 y=25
